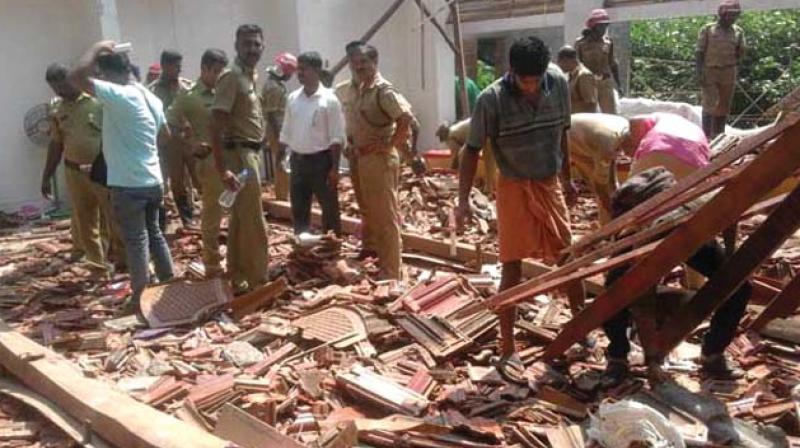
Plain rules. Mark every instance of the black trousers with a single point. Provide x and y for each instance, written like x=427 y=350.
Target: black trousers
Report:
x=707 y=260
x=309 y=178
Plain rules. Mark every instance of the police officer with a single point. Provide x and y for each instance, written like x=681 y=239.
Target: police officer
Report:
x=378 y=121
x=273 y=104
x=237 y=131
x=176 y=162
x=720 y=49
x=596 y=51
x=582 y=83
x=190 y=113
x=76 y=125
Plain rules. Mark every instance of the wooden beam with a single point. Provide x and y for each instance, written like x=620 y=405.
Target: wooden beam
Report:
x=767 y=170
x=465 y=253
x=746 y=146
x=461 y=68
x=438 y=26
x=369 y=33
x=533 y=287
x=782 y=305
x=51 y=412
x=114 y=416
x=769 y=236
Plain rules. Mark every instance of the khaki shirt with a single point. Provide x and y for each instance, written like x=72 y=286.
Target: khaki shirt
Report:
x=237 y=95
x=596 y=55
x=371 y=111
x=273 y=104
x=167 y=92
x=77 y=125
x=193 y=108
x=459 y=133
x=722 y=47
x=582 y=90
x=594 y=142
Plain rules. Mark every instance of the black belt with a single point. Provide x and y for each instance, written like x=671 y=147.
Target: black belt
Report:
x=325 y=153
x=82 y=167
x=233 y=144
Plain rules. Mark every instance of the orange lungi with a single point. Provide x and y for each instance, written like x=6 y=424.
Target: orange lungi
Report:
x=532 y=219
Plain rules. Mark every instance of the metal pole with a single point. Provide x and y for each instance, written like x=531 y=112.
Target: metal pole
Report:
x=436 y=24
x=460 y=65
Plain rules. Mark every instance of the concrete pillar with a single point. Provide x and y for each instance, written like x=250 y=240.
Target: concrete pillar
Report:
x=621 y=35
x=109 y=19
x=575 y=14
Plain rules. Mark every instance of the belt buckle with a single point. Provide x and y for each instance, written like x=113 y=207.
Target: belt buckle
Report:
x=85 y=168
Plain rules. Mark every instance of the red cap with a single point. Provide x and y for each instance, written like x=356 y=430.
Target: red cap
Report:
x=597 y=16
x=729 y=7
x=286 y=63
x=154 y=69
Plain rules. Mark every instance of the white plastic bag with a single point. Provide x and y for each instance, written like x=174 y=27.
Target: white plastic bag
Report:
x=618 y=425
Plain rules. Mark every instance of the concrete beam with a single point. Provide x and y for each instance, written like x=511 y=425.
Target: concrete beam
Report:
x=109 y=19
x=492 y=27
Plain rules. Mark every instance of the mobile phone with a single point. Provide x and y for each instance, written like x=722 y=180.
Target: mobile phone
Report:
x=123 y=47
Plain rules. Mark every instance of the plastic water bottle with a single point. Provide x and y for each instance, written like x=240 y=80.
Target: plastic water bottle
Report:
x=228 y=197
x=286 y=163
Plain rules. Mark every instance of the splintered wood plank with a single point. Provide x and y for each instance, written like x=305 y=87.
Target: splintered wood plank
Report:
x=776 y=163
x=247 y=431
x=534 y=287
x=745 y=147
x=116 y=417
x=780 y=224
x=259 y=298
x=784 y=304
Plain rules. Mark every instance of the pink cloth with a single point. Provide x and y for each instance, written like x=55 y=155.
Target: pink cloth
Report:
x=676 y=136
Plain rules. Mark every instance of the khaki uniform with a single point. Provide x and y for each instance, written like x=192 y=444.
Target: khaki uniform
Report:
x=192 y=111
x=77 y=125
x=177 y=163
x=723 y=49
x=594 y=142
x=456 y=138
x=237 y=95
x=346 y=96
x=273 y=104
x=582 y=90
x=598 y=57
x=370 y=114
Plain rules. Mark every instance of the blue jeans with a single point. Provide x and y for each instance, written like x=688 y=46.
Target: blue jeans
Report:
x=136 y=210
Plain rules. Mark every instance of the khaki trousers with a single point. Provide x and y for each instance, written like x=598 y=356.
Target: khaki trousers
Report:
x=211 y=214
x=280 y=177
x=378 y=180
x=607 y=96
x=367 y=234
x=717 y=90
x=247 y=238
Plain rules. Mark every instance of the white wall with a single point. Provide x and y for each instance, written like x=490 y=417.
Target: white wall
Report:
x=35 y=33
x=192 y=26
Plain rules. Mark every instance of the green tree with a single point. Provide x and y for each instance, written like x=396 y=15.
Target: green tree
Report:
x=663 y=58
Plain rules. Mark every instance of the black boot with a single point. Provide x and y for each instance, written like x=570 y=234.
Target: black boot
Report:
x=185 y=210
x=719 y=125
x=717 y=366
x=708 y=125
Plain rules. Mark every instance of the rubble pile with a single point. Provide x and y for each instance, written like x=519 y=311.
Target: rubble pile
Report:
x=326 y=356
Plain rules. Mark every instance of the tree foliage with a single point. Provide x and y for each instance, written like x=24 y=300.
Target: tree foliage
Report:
x=663 y=58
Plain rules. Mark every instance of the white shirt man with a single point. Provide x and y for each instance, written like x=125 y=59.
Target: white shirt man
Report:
x=313 y=129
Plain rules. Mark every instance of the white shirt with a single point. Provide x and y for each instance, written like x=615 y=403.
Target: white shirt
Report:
x=312 y=123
